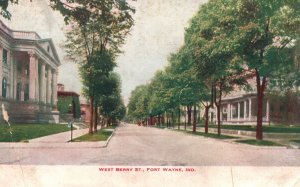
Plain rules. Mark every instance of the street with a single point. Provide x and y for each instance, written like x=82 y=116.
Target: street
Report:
x=132 y=145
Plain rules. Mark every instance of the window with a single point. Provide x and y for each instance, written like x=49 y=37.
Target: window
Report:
x=27 y=70
x=26 y=92
x=18 y=96
x=19 y=67
x=4 y=87
x=4 y=56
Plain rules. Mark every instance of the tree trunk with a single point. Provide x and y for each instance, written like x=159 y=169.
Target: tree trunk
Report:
x=159 y=120
x=219 y=119
x=96 y=118
x=179 y=118
x=218 y=105
x=189 y=110
x=185 y=120
x=260 y=98
x=172 y=115
x=91 y=117
x=195 y=119
x=206 y=118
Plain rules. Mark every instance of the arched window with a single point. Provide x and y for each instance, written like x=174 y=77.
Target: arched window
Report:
x=4 y=87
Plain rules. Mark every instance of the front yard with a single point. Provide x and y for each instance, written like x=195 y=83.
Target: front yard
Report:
x=266 y=129
x=24 y=132
x=100 y=135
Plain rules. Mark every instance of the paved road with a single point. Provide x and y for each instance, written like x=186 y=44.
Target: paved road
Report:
x=134 y=145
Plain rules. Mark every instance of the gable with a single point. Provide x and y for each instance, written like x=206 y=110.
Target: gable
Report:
x=49 y=48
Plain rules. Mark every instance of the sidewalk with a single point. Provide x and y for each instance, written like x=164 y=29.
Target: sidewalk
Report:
x=60 y=137
x=59 y=140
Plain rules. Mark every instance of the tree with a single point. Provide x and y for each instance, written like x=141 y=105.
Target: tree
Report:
x=98 y=29
x=137 y=103
x=266 y=29
x=110 y=103
x=234 y=37
x=4 y=5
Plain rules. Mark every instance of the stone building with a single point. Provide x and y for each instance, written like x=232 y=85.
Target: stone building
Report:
x=28 y=73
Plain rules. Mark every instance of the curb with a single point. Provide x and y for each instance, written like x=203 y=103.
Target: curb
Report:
x=108 y=140
x=228 y=141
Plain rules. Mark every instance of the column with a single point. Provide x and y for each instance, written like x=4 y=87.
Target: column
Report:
x=231 y=112
x=32 y=76
x=1 y=70
x=42 y=84
x=250 y=103
x=49 y=85
x=268 y=111
x=245 y=110
x=239 y=111
x=15 y=80
x=37 y=86
x=228 y=112
x=11 y=77
x=54 y=87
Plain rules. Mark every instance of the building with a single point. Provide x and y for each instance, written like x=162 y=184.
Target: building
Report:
x=277 y=109
x=28 y=73
x=85 y=111
x=67 y=104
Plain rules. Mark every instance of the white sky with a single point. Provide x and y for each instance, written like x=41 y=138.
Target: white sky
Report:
x=158 y=31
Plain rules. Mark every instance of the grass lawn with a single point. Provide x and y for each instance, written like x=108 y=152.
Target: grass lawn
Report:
x=101 y=135
x=23 y=132
x=259 y=142
x=210 y=135
x=297 y=141
x=267 y=129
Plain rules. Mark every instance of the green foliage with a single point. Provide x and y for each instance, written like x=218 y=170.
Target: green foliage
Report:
x=101 y=135
x=98 y=28
x=259 y=142
x=137 y=106
x=3 y=5
x=110 y=100
x=64 y=105
x=23 y=132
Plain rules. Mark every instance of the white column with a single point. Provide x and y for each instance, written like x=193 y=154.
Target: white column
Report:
x=49 y=85
x=231 y=111
x=32 y=76
x=15 y=79
x=245 y=110
x=1 y=70
x=37 y=85
x=54 y=87
x=268 y=111
x=250 y=105
x=11 y=77
x=239 y=111
x=42 y=84
x=228 y=112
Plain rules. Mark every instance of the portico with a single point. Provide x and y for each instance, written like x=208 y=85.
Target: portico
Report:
x=242 y=110
x=28 y=73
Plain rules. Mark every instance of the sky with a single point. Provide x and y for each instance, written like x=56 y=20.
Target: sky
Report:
x=158 y=32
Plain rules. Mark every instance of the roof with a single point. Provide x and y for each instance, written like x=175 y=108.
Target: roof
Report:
x=65 y=94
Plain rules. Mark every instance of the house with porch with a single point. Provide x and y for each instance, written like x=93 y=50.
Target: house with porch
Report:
x=240 y=107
